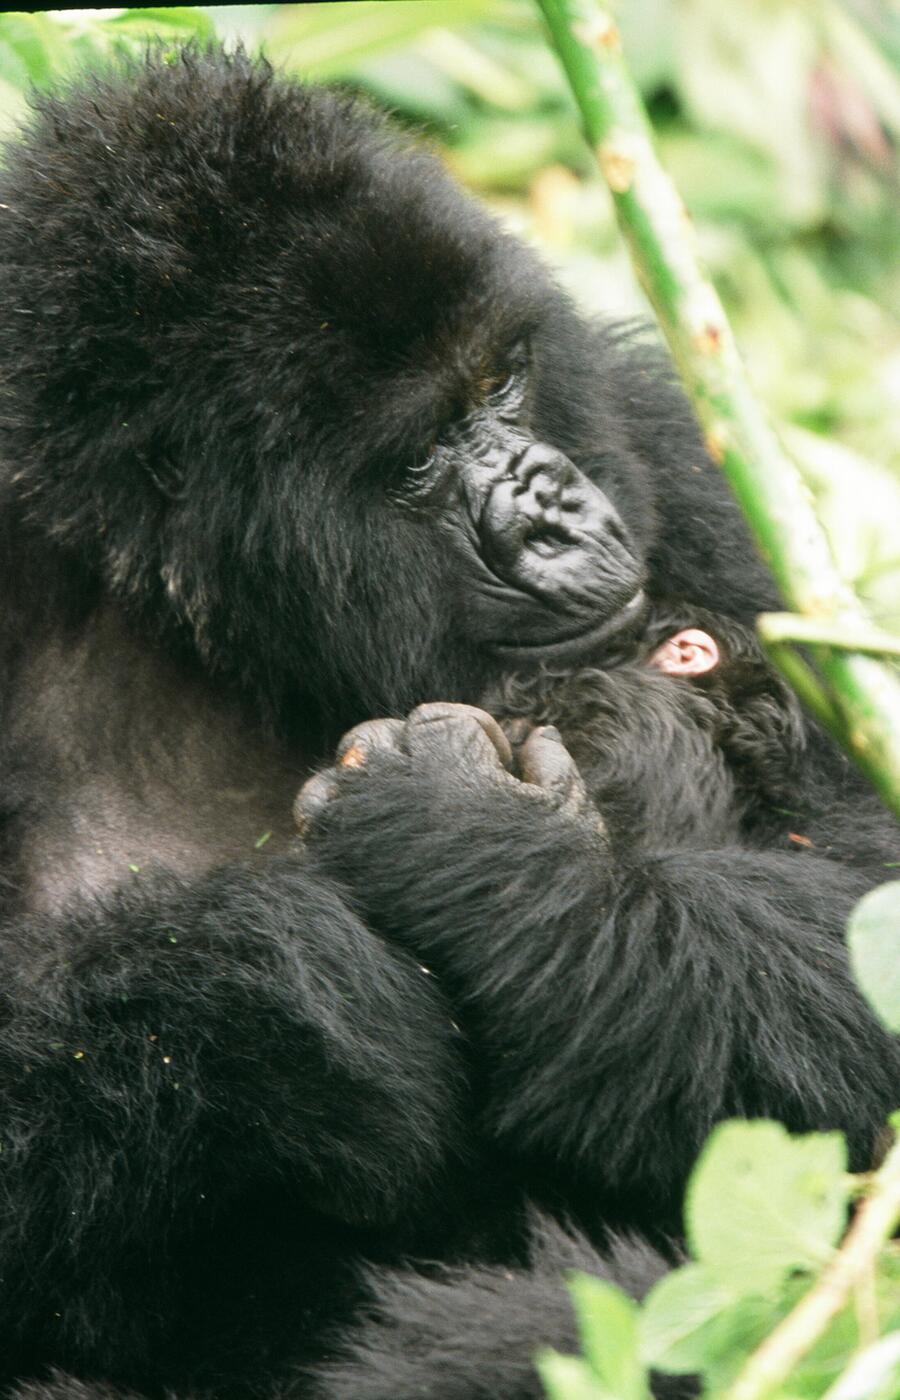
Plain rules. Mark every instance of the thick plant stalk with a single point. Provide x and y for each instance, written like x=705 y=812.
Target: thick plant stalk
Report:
x=772 y=1363
x=861 y=694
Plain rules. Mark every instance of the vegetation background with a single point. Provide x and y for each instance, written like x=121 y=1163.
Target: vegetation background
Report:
x=780 y=122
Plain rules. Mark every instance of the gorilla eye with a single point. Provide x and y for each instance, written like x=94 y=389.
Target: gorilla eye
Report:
x=506 y=389
x=424 y=462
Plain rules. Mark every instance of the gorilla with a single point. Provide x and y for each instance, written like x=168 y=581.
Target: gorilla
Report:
x=295 y=437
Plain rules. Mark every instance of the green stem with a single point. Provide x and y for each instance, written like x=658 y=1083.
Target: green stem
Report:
x=803 y=679
x=772 y=1363
x=811 y=631
x=775 y=499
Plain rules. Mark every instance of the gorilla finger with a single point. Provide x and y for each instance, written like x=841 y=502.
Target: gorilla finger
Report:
x=546 y=762
x=313 y=798
x=517 y=730
x=461 y=725
x=373 y=736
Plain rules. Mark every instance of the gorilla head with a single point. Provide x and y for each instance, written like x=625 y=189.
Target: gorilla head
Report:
x=284 y=398
x=278 y=384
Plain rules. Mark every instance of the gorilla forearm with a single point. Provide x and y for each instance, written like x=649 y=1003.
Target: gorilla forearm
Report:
x=244 y=1033
x=621 y=1012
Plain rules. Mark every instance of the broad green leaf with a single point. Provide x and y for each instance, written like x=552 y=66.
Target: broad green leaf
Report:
x=761 y=1203
x=608 y=1326
x=568 y=1378
x=874 y=939
x=692 y=1321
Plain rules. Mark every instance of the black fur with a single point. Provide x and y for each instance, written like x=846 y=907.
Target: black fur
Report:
x=470 y=1333
x=236 y=313
x=629 y=988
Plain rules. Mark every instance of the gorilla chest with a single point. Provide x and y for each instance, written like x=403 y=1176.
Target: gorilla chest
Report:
x=115 y=765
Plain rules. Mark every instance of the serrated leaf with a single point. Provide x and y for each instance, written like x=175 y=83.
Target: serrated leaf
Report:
x=692 y=1321
x=608 y=1326
x=761 y=1203
x=873 y=936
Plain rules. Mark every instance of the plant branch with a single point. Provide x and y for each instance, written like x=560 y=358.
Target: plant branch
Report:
x=812 y=631
x=775 y=499
x=848 y=1269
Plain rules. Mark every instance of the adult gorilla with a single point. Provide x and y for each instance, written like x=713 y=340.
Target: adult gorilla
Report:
x=293 y=435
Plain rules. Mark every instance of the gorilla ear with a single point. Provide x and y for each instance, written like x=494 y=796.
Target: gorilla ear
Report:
x=688 y=653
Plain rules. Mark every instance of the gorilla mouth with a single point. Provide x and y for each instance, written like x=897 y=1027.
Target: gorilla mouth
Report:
x=581 y=644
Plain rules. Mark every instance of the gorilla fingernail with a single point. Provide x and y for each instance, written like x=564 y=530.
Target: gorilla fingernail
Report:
x=312 y=799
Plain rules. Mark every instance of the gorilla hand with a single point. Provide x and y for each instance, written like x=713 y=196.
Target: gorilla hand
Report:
x=457 y=745
x=442 y=831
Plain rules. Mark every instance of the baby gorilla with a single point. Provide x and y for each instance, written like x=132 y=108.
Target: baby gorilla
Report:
x=634 y=895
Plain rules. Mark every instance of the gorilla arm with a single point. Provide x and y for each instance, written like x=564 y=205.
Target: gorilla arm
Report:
x=621 y=1008
x=169 y=1049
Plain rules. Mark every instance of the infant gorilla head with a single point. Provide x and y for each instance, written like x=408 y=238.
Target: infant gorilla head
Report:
x=686 y=737
x=686 y=734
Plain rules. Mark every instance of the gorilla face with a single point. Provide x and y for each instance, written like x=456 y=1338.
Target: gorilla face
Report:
x=277 y=383
x=541 y=555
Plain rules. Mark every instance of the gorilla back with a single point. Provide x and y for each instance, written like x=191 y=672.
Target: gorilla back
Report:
x=292 y=435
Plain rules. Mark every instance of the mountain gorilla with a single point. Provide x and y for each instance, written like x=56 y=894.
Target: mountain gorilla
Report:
x=295 y=436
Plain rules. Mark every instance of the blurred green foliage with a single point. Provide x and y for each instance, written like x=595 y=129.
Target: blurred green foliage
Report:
x=779 y=120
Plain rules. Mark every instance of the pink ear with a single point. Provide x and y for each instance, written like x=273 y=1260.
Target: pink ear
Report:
x=688 y=653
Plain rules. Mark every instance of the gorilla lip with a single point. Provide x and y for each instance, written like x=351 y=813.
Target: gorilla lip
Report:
x=582 y=643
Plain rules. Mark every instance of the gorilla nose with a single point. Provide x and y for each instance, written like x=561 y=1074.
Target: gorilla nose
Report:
x=543 y=468
x=558 y=506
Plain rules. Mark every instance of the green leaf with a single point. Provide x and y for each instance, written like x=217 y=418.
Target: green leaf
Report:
x=608 y=1324
x=568 y=1378
x=874 y=940
x=761 y=1203
x=692 y=1321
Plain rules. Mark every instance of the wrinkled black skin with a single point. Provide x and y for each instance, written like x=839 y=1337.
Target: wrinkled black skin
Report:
x=638 y=945
x=238 y=318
